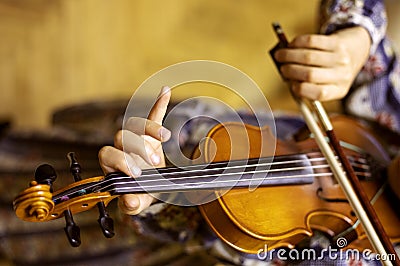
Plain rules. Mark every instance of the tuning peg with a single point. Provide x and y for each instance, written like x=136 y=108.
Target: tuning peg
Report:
x=72 y=230
x=45 y=174
x=75 y=167
x=105 y=221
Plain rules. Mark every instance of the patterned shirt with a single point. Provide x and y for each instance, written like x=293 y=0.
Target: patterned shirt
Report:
x=375 y=94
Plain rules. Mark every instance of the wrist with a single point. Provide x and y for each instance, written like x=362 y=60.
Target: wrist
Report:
x=357 y=42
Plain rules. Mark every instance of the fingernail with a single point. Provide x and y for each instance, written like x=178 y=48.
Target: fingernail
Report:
x=136 y=171
x=165 y=134
x=155 y=159
x=165 y=89
x=133 y=168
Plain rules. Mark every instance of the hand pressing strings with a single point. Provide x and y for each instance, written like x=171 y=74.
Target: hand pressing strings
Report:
x=138 y=146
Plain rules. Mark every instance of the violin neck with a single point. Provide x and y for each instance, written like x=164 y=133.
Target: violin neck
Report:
x=296 y=169
x=217 y=176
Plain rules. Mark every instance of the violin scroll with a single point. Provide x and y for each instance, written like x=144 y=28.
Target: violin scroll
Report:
x=35 y=203
x=38 y=203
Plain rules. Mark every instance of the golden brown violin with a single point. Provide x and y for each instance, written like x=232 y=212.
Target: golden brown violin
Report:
x=282 y=216
x=268 y=198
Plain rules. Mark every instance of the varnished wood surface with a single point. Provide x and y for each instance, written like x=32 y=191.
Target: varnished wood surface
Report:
x=283 y=216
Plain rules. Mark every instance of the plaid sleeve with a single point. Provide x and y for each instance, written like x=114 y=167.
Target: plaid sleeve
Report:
x=339 y=14
x=375 y=93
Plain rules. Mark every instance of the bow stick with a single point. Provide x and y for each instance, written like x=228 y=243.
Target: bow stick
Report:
x=343 y=173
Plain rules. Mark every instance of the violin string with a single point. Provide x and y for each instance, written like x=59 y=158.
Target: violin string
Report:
x=361 y=164
x=203 y=172
x=229 y=167
x=139 y=180
x=184 y=170
x=136 y=184
x=321 y=167
x=207 y=173
x=236 y=181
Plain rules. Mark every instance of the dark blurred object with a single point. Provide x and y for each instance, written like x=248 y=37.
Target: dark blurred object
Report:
x=390 y=138
x=5 y=124
x=94 y=120
x=82 y=129
x=22 y=151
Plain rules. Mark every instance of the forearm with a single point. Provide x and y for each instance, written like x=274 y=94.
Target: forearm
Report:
x=343 y=14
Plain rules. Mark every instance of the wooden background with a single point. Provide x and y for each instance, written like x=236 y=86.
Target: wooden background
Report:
x=55 y=53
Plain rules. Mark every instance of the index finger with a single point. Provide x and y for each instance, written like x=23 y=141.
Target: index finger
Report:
x=159 y=108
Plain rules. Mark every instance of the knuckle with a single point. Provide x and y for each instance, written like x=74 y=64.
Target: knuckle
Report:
x=309 y=58
x=340 y=46
x=343 y=59
x=104 y=151
x=120 y=165
x=347 y=76
x=281 y=56
x=285 y=70
x=301 y=86
x=323 y=94
x=296 y=87
x=150 y=127
x=131 y=120
x=127 y=210
x=118 y=137
x=135 y=124
x=148 y=147
x=309 y=75
x=310 y=40
x=104 y=154
x=278 y=55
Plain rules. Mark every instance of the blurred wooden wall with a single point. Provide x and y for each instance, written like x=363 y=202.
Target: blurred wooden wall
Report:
x=61 y=52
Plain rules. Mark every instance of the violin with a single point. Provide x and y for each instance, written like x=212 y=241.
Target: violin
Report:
x=295 y=192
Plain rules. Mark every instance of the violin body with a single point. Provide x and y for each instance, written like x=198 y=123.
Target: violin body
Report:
x=282 y=216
